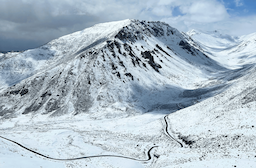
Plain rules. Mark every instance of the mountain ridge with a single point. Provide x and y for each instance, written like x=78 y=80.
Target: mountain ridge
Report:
x=68 y=75
x=231 y=52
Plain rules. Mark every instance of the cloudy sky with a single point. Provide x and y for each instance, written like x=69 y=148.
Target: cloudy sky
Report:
x=28 y=24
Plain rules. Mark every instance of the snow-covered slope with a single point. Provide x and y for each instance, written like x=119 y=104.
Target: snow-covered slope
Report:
x=231 y=112
x=213 y=38
x=119 y=66
x=18 y=66
x=232 y=52
x=245 y=50
x=164 y=99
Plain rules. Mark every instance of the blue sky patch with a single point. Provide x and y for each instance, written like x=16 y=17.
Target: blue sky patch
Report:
x=240 y=7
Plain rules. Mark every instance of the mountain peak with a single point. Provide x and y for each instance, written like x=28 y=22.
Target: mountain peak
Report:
x=93 y=69
x=193 y=32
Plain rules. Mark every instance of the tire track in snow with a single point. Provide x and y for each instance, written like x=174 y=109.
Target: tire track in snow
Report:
x=79 y=158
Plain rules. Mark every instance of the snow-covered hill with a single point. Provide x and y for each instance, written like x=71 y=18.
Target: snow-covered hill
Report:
x=213 y=38
x=138 y=90
x=108 y=70
x=232 y=52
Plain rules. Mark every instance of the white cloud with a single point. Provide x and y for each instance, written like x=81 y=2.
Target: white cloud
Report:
x=202 y=11
x=238 y=3
x=203 y=15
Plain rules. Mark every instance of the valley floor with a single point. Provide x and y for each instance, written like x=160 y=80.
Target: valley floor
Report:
x=131 y=137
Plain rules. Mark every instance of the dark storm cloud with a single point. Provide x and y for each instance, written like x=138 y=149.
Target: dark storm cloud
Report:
x=57 y=22
x=16 y=11
x=27 y=24
x=10 y=44
x=33 y=11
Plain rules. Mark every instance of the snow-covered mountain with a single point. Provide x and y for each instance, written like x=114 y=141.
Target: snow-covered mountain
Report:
x=232 y=52
x=131 y=94
x=119 y=65
x=235 y=106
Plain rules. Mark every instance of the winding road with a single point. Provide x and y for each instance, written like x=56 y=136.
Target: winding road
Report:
x=86 y=157
x=167 y=133
x=98 y=156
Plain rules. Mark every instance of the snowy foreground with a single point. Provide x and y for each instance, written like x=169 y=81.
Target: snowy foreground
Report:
x=141 y=93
